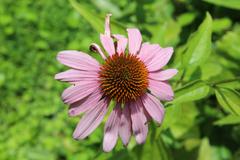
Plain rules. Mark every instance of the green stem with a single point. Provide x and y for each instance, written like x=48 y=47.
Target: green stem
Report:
x=181 y=79
x=225 y=81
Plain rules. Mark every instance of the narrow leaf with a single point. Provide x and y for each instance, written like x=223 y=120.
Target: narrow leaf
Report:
x=193 y=91
x=229 y=99
x=96 y=21
x=230 y=119
x=152 y=149
x=199 y=44
x=229 y=44
x=182 y=122
x=233 y=4
x=205 y=152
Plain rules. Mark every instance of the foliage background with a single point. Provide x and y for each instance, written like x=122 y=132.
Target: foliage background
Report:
x=202 y=122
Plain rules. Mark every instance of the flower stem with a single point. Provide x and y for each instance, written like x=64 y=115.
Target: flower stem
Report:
x=225 y=81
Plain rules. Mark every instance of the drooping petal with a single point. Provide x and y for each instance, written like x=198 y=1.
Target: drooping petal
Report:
x=134 y=40
x=121 y=43
x=111 y=129
x=162 y=90
x=107 y=43
x=107 y=25
x=149 y=118
x=73 y=75
x=79 y=91
x=78 y=60
x=153 y=107
x=91 y=120
x=148 y=51
x=160 y=59
x=163 y=75
x=125 y=125
x=95 y=48
x=139 y=122
x=85 y=104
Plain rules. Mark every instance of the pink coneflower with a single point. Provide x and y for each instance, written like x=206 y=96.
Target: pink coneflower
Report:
x=133 y=79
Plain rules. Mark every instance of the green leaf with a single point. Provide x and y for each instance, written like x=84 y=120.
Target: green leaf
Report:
x=108 y=6
x=151 y=149
x=186 y=18
x=232 y=85
x=210 y=69
x=191 y=143
x=230 y=43
x=199 y=44
x=166 y=33
x=230 y=119
x=182 y=122
x=219 y=25
x=210 y=152
x=233 y=4
x=205 y=152
x=193 y=91
x=229 y=99
x=171 y=111
x=96 y=21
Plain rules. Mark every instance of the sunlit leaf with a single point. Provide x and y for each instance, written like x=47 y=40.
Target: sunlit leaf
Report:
x=229 y=99
x=230 y=119
x=232 y=85
x=186 y=18
x=210 y=69
x=199 y=44
x=95 y=20
x=152 y=149
x=171 y=111
x=205 y=152
x=166 y=33
x=191 y=92
x=191 y=143
x=230 y=43
x=233 y=4
x=222 y=24
x=182 y=122
x=210 y=152
x=107 y=6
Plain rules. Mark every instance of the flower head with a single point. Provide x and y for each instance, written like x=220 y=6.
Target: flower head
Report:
x=134 y=79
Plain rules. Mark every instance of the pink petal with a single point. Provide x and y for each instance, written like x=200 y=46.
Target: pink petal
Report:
x=125 y=125
x=77 y=92
x=139 y=122
x=153 y=107
x=73 y=75
x=161 y=89
x=148 y=51
x=149 y=118
x=95 y=48
x=107 y=25
x=121 y=43
x=85 y=104
x=78 y=60
x=108 y=44
x=160 y=59
x=91 y=120
x=163 y=75
x=134 y=40
x=111 y=129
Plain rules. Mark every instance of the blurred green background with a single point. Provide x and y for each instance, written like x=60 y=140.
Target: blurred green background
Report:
x=203 y=121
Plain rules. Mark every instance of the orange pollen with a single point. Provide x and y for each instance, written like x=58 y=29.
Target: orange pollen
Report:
x=123 y=77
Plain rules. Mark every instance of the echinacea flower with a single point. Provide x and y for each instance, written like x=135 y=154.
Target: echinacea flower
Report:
x=134 y=79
